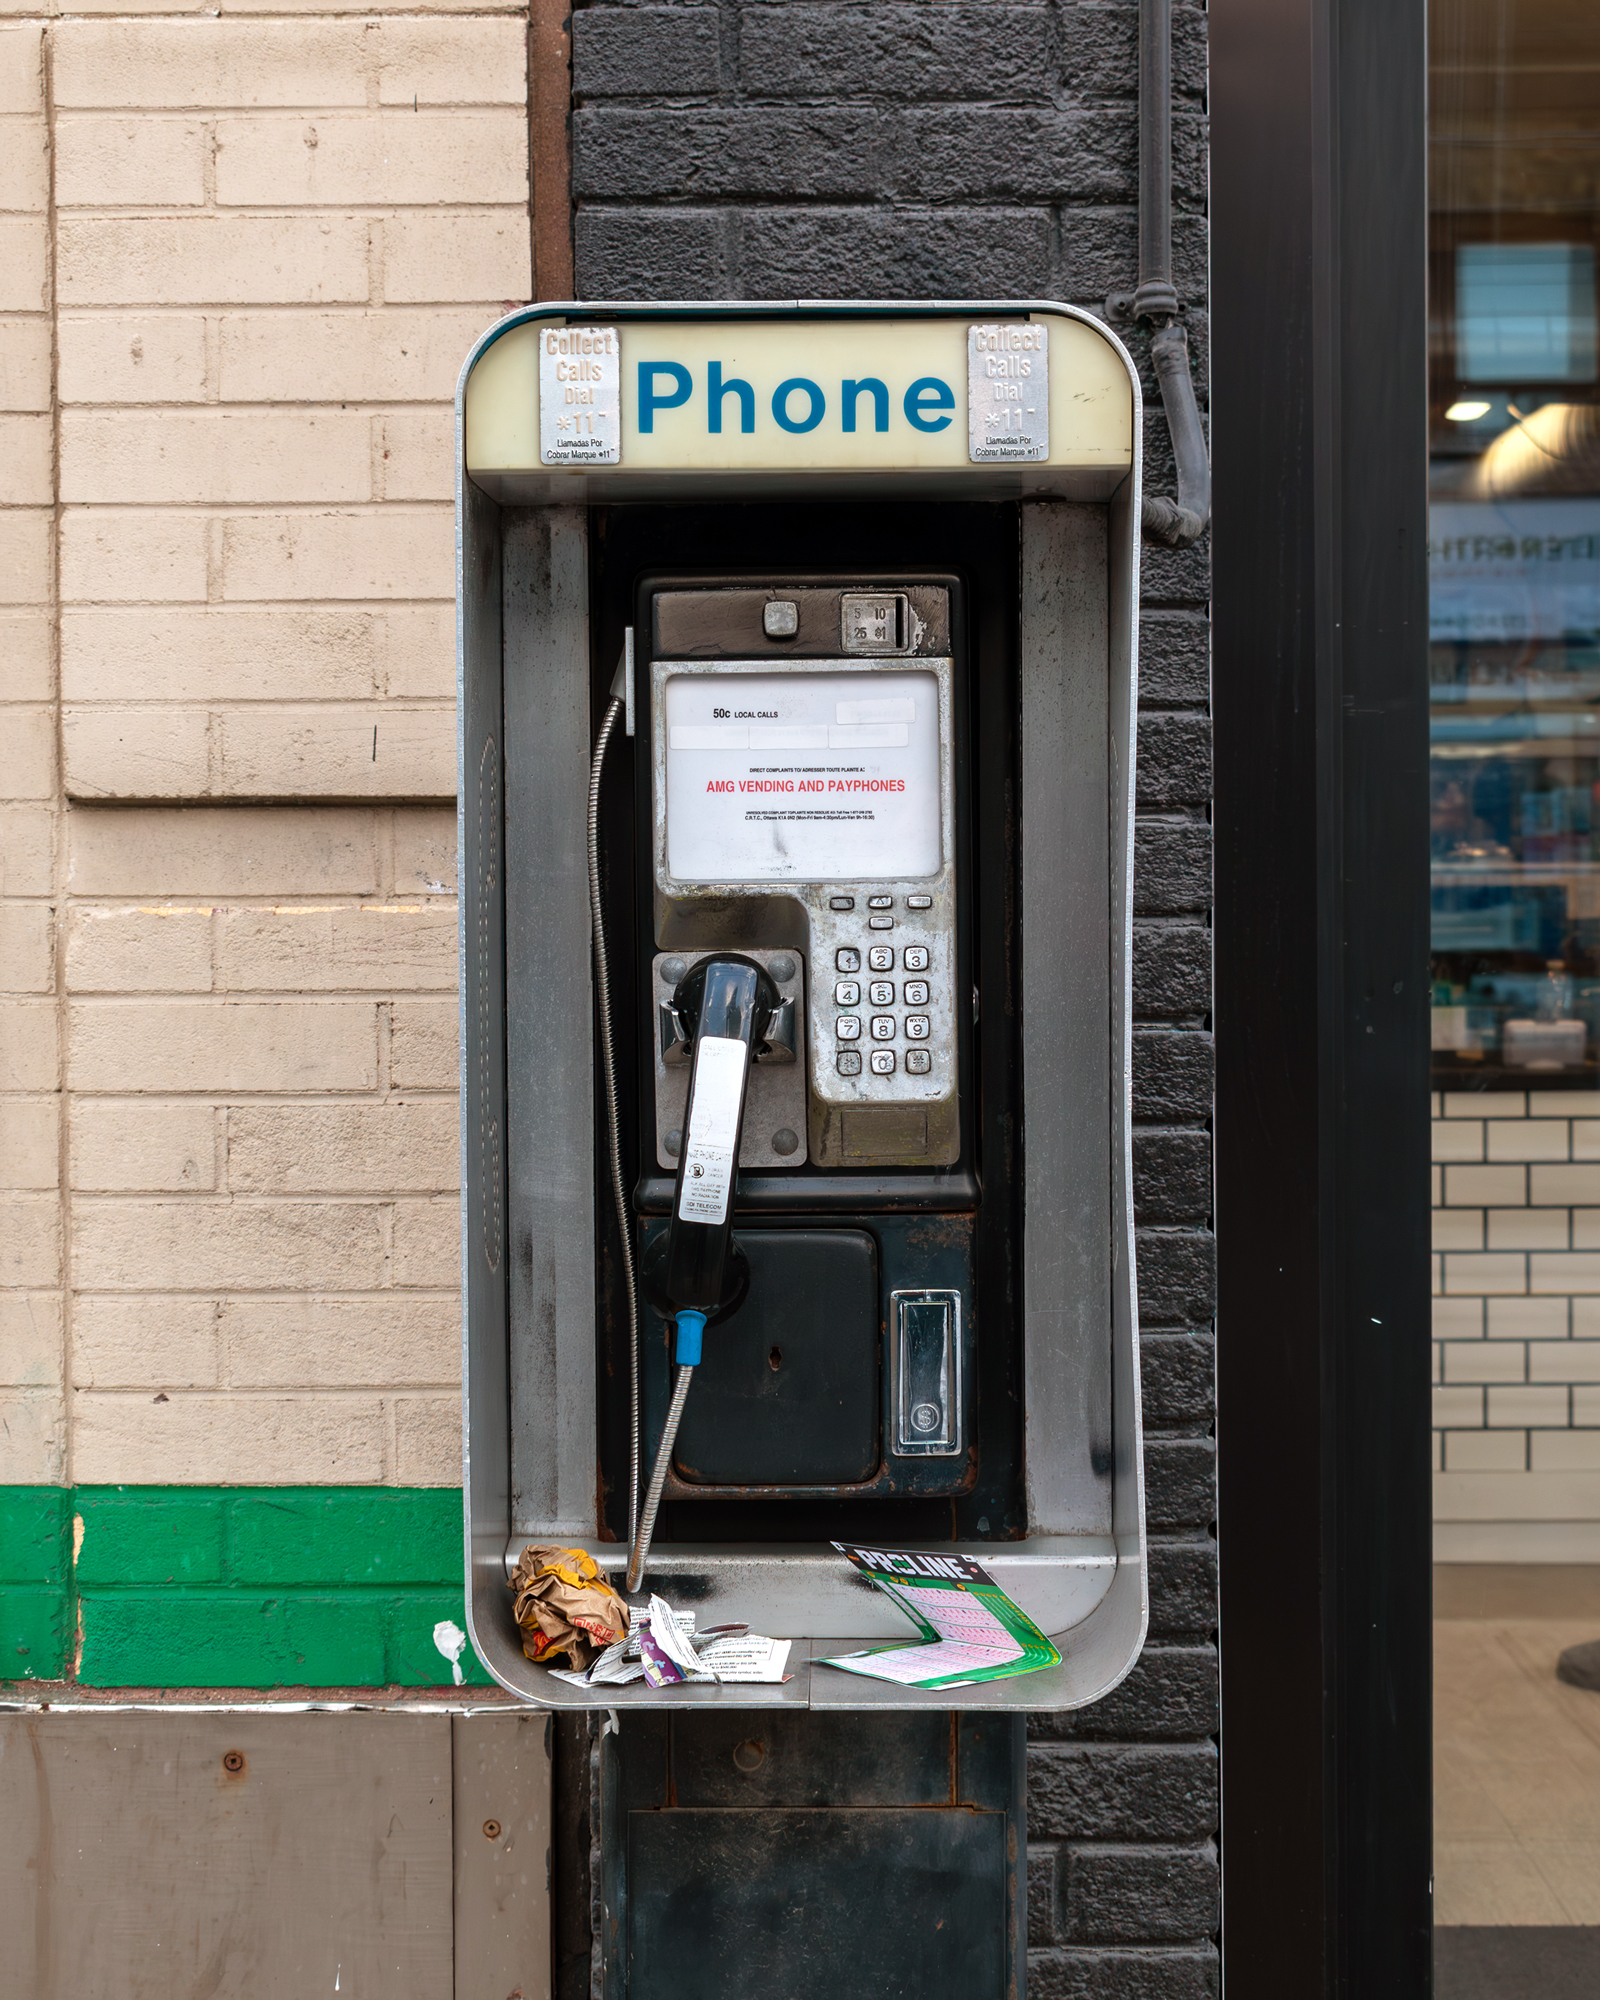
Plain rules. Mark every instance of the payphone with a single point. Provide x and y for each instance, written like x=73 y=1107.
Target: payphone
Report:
x=796 y=798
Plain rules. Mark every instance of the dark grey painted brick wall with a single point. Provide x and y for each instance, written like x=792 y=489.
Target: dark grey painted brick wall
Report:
x=930 y=148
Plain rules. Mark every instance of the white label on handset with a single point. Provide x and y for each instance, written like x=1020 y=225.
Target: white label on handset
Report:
x=712 y=1131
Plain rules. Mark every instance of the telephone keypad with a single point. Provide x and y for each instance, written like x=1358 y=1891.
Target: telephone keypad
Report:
x=890 y=1039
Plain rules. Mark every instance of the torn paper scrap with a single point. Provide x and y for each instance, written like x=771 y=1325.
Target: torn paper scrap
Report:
x=450 y=1640
x=665 y=1649
x=660 y=1650
x=747 y=1658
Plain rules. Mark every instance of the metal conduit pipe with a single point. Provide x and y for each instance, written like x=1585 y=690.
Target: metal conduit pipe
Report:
x=1181 y=521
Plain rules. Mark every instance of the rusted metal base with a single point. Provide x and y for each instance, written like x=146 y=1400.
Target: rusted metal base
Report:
x=851 y=1855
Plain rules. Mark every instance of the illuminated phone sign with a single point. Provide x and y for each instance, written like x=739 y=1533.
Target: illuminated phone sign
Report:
x=659 y=396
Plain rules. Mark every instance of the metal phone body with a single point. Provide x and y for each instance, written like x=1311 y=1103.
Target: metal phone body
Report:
x=800 y=806
x=881 y=1041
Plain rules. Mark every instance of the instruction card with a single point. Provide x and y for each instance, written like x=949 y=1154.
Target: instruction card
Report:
x=971 y=1631
x=802 y=777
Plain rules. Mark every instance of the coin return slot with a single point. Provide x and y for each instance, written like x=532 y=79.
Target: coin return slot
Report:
x=926 y=1358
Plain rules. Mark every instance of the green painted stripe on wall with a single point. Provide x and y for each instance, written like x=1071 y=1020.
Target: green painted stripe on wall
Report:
x=35 y=1550
x=33 y=1533
x=250 y=1587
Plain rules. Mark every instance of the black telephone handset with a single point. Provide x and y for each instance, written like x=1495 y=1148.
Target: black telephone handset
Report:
x=696 y=1272
x=725 y=1005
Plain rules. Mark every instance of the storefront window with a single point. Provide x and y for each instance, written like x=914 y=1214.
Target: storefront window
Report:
x=1515 y=547
x=1514 y=560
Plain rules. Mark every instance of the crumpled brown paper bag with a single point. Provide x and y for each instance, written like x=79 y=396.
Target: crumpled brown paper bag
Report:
x=565 y=1606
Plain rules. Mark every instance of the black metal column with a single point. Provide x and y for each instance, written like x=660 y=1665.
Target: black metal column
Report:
x=1319 y=401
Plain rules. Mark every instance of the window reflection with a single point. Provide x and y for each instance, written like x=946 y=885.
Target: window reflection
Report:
x=1524 y=312
x=1514 y=552
x=1514 y=197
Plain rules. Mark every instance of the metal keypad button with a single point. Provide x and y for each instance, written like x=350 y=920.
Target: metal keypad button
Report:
x=919 y=902
x=881 y=993
x=918 y=1061
x=883 y=1027
x=916 y=993
x=848 y=993
x=916 y=958
x=883 y=1062
x=880 y=959
x=849 y=1027
x=841 y=902
x=880 y=902
x=916 y=1027
x=849 y=1062
x=847 y=958
x=880 y=923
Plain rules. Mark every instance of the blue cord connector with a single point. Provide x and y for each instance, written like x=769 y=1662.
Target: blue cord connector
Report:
x=691 y=1329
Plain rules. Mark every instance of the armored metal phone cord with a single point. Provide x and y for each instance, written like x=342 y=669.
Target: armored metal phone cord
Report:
x=658 y=1477
x=602 y=980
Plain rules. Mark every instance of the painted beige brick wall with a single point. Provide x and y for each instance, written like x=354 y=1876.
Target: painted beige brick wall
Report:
x=242 y=254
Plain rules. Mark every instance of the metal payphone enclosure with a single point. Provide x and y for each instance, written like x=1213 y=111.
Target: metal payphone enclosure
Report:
x=534 y=487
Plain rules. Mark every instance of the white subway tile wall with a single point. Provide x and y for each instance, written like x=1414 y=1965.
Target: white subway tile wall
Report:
x=1516 y=1322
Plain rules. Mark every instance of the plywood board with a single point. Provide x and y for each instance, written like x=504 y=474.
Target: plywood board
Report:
x=502 y=1858
x=231 y=1856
